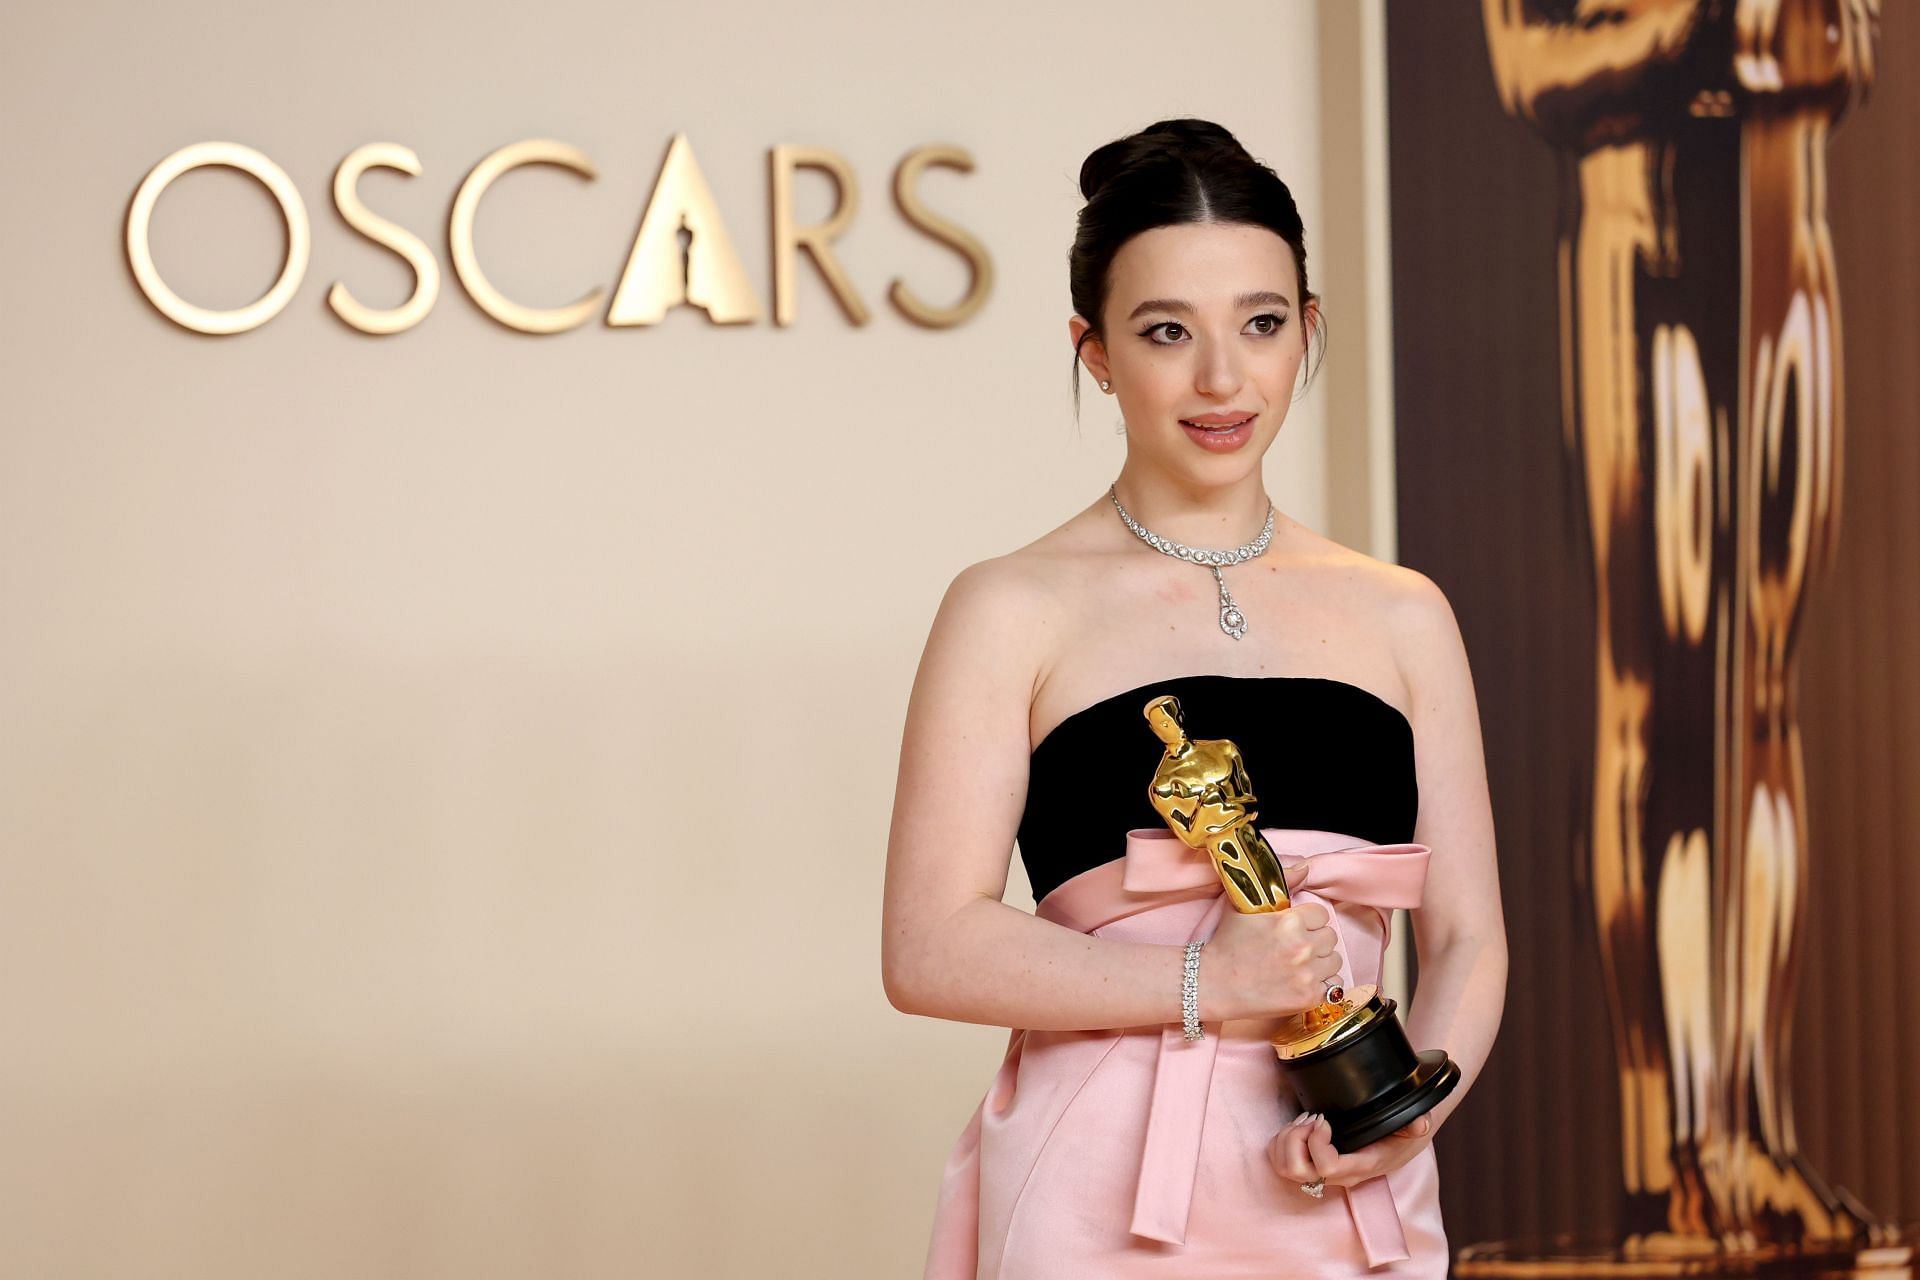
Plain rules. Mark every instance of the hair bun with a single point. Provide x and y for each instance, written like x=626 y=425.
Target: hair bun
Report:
x=1188 y=131
x=1181 y=134
x=1104 y=163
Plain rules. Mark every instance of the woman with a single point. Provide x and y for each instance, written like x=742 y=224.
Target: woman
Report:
x=1113 y=1142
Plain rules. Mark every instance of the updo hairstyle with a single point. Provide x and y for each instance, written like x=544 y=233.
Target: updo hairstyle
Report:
x=1173 y=172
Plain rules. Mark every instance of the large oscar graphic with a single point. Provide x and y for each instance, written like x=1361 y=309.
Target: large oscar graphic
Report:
x=1702 y=404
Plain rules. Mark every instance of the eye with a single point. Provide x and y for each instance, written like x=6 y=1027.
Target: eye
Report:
x=1173 y=326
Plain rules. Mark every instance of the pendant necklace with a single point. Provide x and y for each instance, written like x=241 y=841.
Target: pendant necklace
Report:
x=1232 y=621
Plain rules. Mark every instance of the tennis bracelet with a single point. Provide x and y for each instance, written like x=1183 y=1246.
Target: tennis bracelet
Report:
x=1190 y=992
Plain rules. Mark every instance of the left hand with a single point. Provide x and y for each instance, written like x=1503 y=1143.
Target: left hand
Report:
x=1304 y=1151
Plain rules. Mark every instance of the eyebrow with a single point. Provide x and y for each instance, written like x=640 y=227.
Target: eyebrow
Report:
x=1260 y=298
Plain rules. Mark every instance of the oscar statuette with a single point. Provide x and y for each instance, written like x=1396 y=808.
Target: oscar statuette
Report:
x=1348 y=1058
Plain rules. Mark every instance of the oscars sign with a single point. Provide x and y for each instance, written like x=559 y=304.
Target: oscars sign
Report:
x=661 y=272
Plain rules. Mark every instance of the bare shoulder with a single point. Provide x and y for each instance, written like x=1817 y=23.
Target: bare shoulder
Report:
x=1393 y=595
x=1019 y=600
x=1427 y=644
x=989 y=636
x=1402 y=604
x=1000 y=601
x=1415 y=605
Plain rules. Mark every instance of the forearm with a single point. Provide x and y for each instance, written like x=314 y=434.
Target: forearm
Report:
x=995 y=964
x=1457 y=1005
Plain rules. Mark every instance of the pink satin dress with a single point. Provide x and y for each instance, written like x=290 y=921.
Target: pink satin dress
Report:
x=1111 y=1154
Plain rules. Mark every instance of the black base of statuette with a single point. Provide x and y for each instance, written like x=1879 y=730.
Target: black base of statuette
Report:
x=1370 y=1082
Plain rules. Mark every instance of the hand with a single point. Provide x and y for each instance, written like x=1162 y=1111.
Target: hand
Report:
x=1304 y=1151
x=1268 y=964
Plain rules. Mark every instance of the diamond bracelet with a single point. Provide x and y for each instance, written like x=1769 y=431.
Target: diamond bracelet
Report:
x=1190 y=992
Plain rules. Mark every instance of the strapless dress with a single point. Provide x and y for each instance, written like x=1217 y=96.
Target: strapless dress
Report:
x=1132 y=1151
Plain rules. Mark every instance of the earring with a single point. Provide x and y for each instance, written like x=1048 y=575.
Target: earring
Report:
x=1105 y=385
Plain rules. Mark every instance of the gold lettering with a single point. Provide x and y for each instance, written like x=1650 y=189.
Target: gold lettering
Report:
x=426 y=270
x=466 y=263
x=816 y=239
x=905 y=194
x=659 y=275
x=293 y=216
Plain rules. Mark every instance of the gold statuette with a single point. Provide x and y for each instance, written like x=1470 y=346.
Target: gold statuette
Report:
x=1347 y=1058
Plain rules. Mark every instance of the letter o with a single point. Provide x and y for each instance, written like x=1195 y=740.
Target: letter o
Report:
x=140 y=251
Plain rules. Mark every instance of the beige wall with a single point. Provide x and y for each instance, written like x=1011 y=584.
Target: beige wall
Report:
x=445 y=778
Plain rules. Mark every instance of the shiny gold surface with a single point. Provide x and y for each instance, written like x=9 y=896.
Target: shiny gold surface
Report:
x=466 y=260
x=1361 y=1007
x=1200 y=789
x=1702 y=402
x=906 y=194
x=139 y=244
x=426 y=270
x=660 y=274
x=817 y=239
x=682 y=253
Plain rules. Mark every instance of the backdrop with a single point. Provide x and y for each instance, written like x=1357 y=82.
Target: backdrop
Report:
x=446 y=776
x=1558 y=395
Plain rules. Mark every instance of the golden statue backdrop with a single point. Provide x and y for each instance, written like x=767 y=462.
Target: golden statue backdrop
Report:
x=1701 y=397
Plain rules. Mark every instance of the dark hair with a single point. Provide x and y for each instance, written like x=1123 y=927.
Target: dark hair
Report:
x=1171 y=172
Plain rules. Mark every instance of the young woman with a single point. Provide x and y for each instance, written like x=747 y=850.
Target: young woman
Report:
x=1113 y=1143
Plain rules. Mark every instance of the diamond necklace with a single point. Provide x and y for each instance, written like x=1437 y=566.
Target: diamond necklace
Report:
x=1232 y=621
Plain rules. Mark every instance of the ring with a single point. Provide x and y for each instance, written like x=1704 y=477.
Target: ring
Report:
x=1335 y=992
x=1317 y=1188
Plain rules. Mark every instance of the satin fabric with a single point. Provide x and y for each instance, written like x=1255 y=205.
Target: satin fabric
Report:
x=1133 y=1152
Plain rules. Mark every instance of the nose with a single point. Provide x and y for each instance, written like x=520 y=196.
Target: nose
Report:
x=1219 y=375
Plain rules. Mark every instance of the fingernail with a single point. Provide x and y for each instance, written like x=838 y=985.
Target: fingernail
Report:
x=1324 y=1126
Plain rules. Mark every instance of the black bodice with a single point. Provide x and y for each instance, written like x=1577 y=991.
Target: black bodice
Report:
x=1322 y=754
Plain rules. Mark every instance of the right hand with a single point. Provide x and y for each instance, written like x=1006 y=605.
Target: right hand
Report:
x=1270 y=963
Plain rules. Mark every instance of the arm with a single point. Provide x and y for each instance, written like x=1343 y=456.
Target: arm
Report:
x=950 y=947
x=1459 y=928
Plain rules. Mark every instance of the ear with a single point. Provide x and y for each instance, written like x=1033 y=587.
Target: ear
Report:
x=1309 y=319
x=1094 y=353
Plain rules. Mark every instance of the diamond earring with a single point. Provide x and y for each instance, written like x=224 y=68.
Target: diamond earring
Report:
x=1105 y=385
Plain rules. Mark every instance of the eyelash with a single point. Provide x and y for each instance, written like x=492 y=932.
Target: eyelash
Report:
x=1279 y=324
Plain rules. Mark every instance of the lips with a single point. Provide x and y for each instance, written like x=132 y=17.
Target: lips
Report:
x=1223 y=438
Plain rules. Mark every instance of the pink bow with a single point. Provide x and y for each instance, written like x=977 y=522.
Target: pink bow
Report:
x=1342 y=870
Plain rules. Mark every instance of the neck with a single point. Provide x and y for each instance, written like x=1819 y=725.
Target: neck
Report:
x=1217 y=517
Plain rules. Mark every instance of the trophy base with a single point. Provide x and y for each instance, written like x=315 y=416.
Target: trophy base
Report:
x=1368 y=1082
x=1431 y=1081
x=1670 y=1255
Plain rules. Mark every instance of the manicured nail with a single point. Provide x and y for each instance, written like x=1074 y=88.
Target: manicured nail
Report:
x=1324 y=1126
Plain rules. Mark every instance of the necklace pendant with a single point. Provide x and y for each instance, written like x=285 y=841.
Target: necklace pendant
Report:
x=1232 y=621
